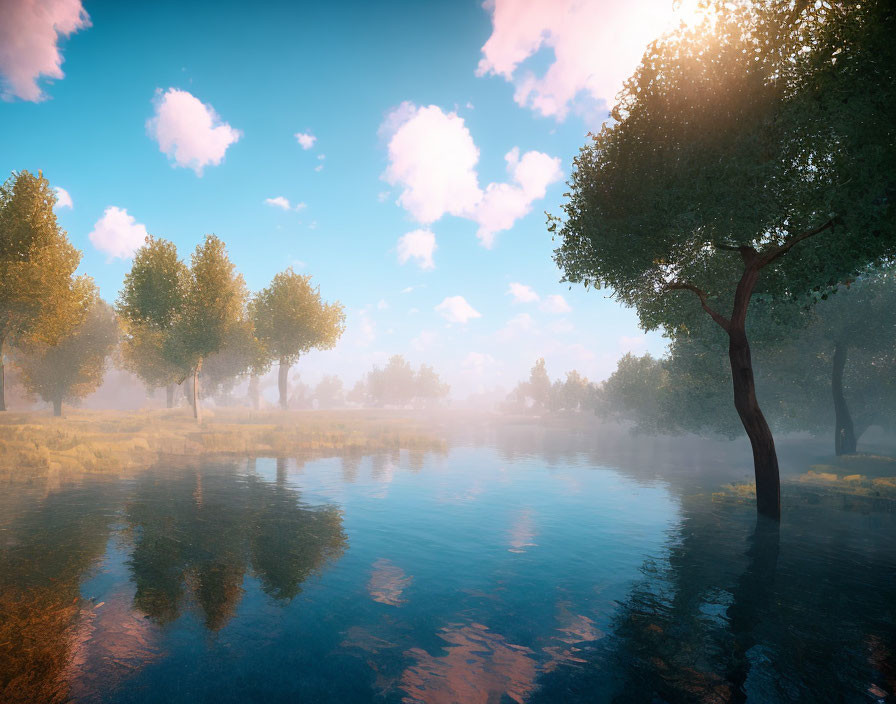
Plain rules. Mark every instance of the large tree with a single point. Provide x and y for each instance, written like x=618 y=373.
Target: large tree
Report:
x=291 y=319
x=752 y=153
x=74 y=366
x=148 y=305
x=214 y=304
x=40 y=298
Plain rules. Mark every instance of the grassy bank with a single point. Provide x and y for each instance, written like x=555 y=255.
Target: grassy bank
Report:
x=106 y=441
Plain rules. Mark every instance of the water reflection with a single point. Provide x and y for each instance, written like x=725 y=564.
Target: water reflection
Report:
x=504 y=572
x=199 y=533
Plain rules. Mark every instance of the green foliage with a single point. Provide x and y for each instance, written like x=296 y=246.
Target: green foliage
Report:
x=214 y=305
x=148 y=305
x=39 y=295
x=291 y=319
x=397 y=384
x=73 y=367
x=772 y=121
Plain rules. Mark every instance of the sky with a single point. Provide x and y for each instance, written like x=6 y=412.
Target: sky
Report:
x=401 y=153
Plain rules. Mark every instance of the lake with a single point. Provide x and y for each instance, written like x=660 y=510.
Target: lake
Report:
x=516 y=566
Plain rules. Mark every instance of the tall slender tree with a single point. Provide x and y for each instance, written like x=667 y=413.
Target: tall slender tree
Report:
x=291 y=319
x=40 y=298
x=752 y=153
x=214 y=304
x=148 y=306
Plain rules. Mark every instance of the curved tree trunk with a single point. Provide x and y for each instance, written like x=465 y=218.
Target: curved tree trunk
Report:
x=765 y=458
x=197 y=411
x=2 y=379
x=169 y=395
x=57 y=407
x=282 y=383
x=844 y=431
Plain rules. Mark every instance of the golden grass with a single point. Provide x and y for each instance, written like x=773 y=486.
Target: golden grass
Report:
x=107 y=441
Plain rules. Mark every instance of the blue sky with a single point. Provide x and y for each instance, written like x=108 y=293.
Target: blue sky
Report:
x=408 y=135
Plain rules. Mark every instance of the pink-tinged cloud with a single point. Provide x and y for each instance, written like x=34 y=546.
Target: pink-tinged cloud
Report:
x=387 y=583
x=455 y=309
x=596 y=44
x=190 y=132
x=117 y=233
x=419 y=245
x=432 y=158
x=522 y=293
x=503 y=204
x=29 y=34
x=305 y=139
x=63 y=199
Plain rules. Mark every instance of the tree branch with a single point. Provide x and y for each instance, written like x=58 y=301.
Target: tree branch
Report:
x=782 y=249
x=723 y=322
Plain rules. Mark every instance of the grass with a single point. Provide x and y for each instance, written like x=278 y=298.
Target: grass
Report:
x=108 y=441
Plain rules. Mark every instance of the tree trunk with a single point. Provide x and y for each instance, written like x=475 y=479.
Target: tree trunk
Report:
x=282 y=379
x=57 y=407
x=844 y=431
x=765 y=459
x=169 y=395
x=197 y=411
x=2 y=379
x=254 y=395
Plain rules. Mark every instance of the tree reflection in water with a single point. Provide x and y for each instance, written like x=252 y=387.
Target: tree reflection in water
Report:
x=199 y=534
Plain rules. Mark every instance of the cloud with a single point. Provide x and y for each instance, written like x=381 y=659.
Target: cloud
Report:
x=503 y=204
x=419 y=245
x=522 y=293
x=382 y=304
x=518 y=325
x=190 y=132
x=455 y=309
x=596 y=46
x=424 y=340
x=305 y=139
x=432 y=158
x=117 y=233
x=633 y=343
x=478 y=362
x=63 y=199
x=555 y=304
x=29 y=35
x=284 y=204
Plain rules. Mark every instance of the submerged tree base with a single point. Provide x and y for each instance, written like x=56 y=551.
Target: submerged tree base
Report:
x=107 y=441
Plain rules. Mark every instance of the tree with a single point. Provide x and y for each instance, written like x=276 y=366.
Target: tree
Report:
x=40 y=298
x=539 y=387
x=148 y=305
x=329 y=392
x=74 y=367
x=241 y=354
x=428 y=387
x=393 y=385
x=291 y=319
x=762 y=131
x=214 y=304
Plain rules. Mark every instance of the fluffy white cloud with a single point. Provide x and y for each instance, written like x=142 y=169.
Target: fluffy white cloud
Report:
x=478 y=362
x=596 y=44
x=555 y=304
x=419 y=245
x=305 y=139
x=432 y=158
x=117 y=233
x=284 y=204
x=455 y=309
x=522 y=293
x=503 y=204
x=29 y=35
x=189 y=131
x=63 y=199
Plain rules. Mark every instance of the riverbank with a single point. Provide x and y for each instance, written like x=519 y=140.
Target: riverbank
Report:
x=36 y=444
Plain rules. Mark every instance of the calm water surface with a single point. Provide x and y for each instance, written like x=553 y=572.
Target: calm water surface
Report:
x=495 y=572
